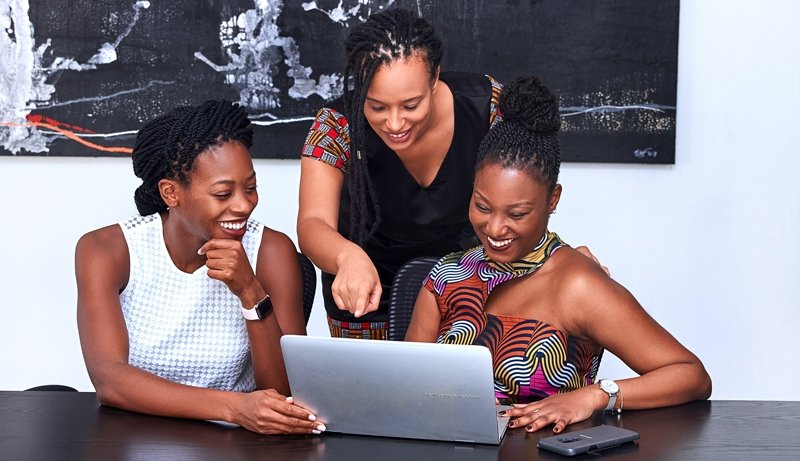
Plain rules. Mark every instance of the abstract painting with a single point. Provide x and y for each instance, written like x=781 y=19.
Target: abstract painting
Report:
x=79 y=77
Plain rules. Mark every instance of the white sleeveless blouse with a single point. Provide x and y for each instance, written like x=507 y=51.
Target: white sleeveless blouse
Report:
x=187 y=328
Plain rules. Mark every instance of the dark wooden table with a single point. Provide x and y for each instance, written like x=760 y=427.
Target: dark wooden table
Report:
x=72 y=426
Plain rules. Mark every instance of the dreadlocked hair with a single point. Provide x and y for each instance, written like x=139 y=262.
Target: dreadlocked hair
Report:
x=167 y=146
x=527 y=138
x=384 y=37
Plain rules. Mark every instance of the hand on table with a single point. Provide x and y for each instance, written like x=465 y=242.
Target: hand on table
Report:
x=560 y=410
x=269 y=412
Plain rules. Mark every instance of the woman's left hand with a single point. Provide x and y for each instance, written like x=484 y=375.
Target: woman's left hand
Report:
x=559 y=410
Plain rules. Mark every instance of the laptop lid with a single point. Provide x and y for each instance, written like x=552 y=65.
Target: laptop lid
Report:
x=395 y=389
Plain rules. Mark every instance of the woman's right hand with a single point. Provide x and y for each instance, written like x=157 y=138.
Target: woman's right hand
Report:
x=269 y=412
x=357 y=287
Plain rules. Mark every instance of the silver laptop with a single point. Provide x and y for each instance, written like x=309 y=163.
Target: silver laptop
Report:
x=396 y=389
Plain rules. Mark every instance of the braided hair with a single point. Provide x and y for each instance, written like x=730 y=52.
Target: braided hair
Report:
x=383 y=38
x=527 y=138
x=167 y=146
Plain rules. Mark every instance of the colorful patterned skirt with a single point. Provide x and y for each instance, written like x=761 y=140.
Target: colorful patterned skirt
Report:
x=358 y=330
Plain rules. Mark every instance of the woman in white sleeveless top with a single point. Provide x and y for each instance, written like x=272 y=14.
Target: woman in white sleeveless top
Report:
x=181 y=308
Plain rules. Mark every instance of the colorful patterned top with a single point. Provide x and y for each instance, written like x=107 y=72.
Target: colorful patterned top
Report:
x=416 y=220
x=532 y=359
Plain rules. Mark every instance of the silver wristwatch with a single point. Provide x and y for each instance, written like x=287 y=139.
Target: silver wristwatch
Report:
x=612 y=389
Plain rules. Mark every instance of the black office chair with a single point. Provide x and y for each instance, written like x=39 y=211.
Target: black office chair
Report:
x=403 y=294
x=309 y=273
x=53 y=387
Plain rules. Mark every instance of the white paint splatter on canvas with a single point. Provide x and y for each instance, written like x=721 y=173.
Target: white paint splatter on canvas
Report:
x=622 y=105
x=359 y=10
x=21 y=79
x=108 y=51
x=24 y=77
x=254 y=47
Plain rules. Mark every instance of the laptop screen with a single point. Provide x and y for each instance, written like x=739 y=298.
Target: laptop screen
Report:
x=395 y=389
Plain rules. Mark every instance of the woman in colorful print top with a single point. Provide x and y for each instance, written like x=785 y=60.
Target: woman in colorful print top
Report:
x=545 y=311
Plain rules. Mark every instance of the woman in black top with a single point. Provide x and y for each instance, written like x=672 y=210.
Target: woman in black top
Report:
x=387 y=169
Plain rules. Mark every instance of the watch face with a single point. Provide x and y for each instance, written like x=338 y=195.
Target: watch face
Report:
x=609 y=386
x=264 y=308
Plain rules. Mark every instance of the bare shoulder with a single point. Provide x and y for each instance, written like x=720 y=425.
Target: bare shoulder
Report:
x=106 y=242
x=278 y=267
x=276 y=243
x=276 y=254
x=582 y=283
x=576 y=271
x=102 y=259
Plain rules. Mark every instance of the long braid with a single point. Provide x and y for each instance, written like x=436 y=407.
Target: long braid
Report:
x=167 y=146
x=383 y=38
x=362 y=189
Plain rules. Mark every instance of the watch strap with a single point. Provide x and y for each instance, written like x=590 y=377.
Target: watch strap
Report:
x=612 y=400
x=612 y=396
x=260 y=310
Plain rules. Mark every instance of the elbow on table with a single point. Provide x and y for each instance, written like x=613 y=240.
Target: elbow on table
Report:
x=705 y=386
x=108 y=395
x=109 y=391
x=701 y=386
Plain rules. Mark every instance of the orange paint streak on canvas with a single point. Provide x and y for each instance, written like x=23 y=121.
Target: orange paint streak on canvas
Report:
x=72 y=136
x=38 y=118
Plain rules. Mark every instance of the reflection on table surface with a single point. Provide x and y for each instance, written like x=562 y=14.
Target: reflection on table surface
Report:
x=69 y=425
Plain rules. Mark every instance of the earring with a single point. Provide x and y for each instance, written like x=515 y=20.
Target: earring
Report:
x=553 y=211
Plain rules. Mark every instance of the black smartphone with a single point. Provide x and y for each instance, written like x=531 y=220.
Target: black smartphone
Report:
x=593 y=439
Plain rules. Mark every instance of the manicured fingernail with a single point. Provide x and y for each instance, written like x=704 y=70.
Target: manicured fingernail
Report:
x=321 y=427
x=502 y=413
x=314 y=431
x=312 y=418
x=289 y=399
x=528 y=427
x=199 y=251
x=511 y=424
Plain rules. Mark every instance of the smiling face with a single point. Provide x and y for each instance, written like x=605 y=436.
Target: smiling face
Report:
x=399 y=101
x=220 y=196
x=509 y=211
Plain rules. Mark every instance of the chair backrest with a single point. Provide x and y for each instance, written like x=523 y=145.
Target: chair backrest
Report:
x=309 y=274
x=403 y=295
x=53 y=387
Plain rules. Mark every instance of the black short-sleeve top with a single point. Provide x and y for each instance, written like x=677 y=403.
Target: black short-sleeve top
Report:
x=415 y=220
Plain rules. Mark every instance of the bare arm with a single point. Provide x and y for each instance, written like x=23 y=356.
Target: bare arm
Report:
x=102 y=271
x=610 y=316
x=669 y=373
x=424 y=325
x=356 y=287
x=278 y=272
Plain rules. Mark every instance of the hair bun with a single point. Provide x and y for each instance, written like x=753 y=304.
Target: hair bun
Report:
x=527 y=101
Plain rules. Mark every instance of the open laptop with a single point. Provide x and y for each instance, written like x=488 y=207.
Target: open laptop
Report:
x=396 y=389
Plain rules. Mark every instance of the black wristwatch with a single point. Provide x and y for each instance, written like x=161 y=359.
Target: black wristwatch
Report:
x=261 y=310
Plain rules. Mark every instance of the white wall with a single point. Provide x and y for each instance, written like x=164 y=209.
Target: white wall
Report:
x=710 y=246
